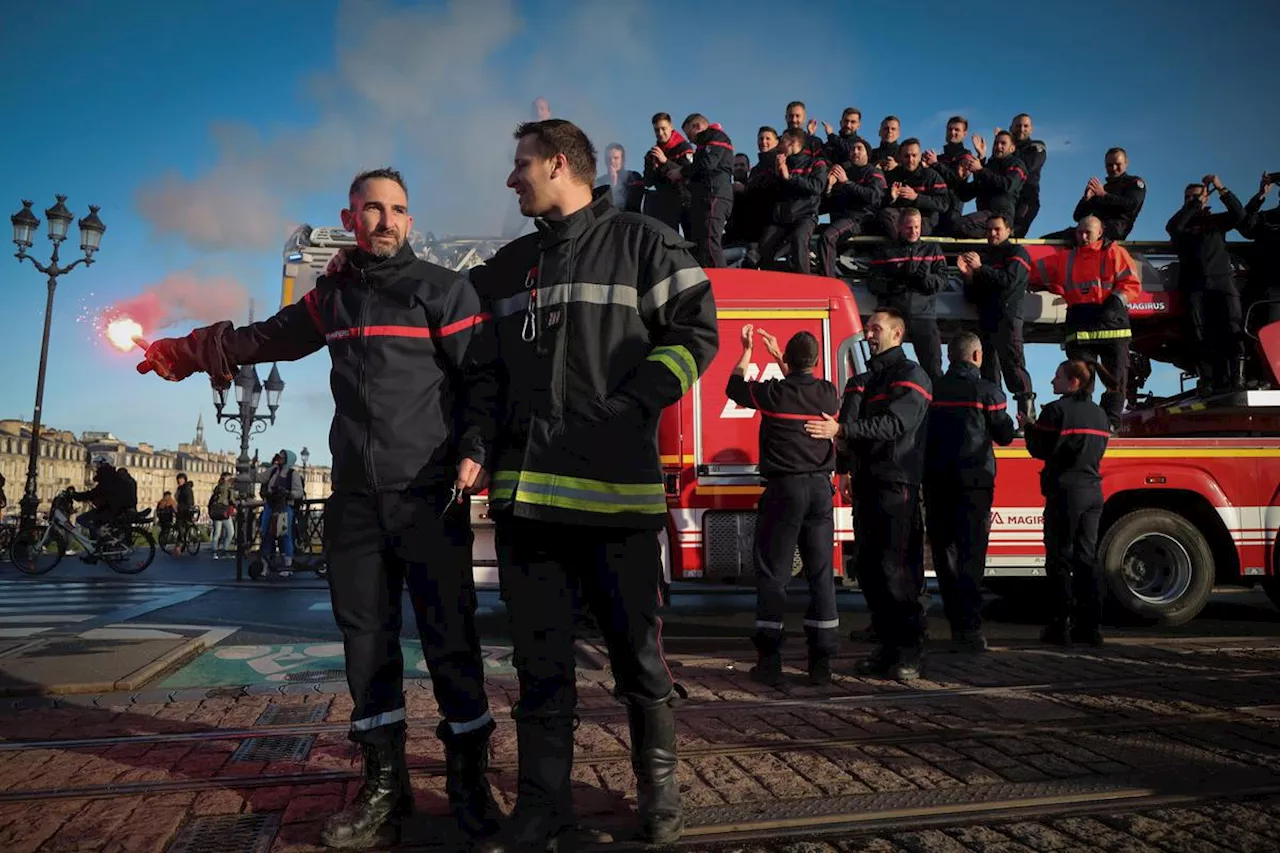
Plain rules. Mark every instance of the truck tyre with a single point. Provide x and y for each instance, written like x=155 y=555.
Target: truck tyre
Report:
x=1158 y=566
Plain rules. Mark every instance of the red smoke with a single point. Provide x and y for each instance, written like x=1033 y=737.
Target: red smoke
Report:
x=181 y=299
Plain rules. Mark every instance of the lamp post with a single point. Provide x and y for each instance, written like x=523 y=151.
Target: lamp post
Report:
x=305 y=456
x=247 y=423
x=25 y=224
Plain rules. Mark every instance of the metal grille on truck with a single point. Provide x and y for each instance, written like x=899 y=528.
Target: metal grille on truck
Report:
x=729 y=543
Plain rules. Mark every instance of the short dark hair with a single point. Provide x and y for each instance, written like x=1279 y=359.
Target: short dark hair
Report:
x=1020 y=115
x=910 y=140
x=615 y=146
x=848 y=111
x=226 y=474
x=891 y=118
x=801 y=352
x=892 y=313
x=1192 y=186
x=960 y=119
x=1004 y=133
x=166 y=493
x=799 y=104
x=657 y=117
x=865 y=145
x=764 y=128
x=386 y=173
x=963 y=346
x=1117 y=150
x=743 y=155
x=556 y=136
x=693 y=117
x=1003 y=217
x=182 y=474
x=796 y=133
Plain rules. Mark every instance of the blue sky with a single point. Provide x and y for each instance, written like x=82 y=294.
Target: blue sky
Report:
x=205 y=133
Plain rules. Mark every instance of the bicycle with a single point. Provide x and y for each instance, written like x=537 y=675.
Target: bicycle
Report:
x=36 y=550
x=183 y=538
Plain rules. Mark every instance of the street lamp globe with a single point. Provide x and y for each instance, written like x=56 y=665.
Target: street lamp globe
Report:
x=245 y=381
x=60 y=219
x=219 y=394
x=305 y=456
x=275 y=388
x=91 y=231
x=25 y=224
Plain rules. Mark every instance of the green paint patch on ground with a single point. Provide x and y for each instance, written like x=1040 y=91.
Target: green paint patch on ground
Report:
x=233 y=666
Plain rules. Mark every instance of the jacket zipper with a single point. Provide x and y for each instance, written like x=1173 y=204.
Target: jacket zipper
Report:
x=370 y=473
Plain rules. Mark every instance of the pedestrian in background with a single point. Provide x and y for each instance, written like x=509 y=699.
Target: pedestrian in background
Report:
x=222 y=511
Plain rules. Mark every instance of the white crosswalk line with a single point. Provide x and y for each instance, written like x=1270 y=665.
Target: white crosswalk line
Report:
x=30 y=608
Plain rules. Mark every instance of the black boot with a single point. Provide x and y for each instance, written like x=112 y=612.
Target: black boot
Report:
x=543 y=817
x=385 y=798
x=1027 y=407
x=466 y=758
x=768 y=669
x=653 y=758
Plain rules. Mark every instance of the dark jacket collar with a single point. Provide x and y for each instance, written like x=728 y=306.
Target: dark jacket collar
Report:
x=889 y=358
x=966 y=369
x=578 y=223
x=386 y=275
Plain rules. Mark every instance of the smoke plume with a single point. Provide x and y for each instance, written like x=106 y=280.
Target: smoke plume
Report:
x=183 y=298
x=437 y=89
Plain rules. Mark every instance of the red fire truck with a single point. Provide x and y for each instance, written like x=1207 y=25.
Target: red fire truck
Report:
x=1192 y=485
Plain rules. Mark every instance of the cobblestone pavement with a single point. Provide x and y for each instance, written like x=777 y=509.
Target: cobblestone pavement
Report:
x=1143 y=746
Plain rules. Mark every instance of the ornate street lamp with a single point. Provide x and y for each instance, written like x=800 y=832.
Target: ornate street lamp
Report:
x=25 y=225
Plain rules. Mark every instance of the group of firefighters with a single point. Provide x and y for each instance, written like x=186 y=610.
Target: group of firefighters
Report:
x=541 y=375
x=900 y=190
x=910 y=442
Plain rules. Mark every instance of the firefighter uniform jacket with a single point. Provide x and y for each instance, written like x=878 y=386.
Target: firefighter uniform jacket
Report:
x=907 y=275
x=785 y=405
x=1070 y=435
x=999 y=285
x=1097 y=281
x=862 y=193
x=996 y=186
x=932 y=198
x=798 y=196
x=414 y=377
x=628 y=193
x=1033 y=154
x=882 y=420
x=603 y=320
x=953 y=154
x=966 y=415
x=1200 y=239
x=709 y=172
x=839 y=148
x=1118 y=208
x=670 y=195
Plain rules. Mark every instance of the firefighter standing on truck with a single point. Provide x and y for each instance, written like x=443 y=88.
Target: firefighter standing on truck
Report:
x=1097 y=279
x=414 y=384
x=1071 y=437
x=796 y=507
x=966 y=415
x=1205 y=277
x=882 y=426
x=603 y=320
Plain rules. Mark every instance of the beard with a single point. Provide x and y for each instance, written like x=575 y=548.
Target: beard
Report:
x=383 y=248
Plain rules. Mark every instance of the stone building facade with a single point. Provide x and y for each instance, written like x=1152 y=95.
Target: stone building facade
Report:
x=65 y=461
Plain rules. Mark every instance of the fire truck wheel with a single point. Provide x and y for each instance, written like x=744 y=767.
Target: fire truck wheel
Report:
x=1158 y=565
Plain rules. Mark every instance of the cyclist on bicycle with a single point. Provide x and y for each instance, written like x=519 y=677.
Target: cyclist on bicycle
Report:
x=110 y=498
x=166 y=509
x=186 y=497
x=281 y=489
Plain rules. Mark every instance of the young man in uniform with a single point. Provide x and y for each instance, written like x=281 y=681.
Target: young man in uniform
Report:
x=995 y=282
x=669 y=201
x=1033 y=154
x=966 y=415
x=709 y=173
x=795 y=508
x=414 y=384
x=801 y=181
x=1206 y=278
x=1116 y=203
x=1071 y=437
x=882 y=426
x=906 y=273
x=603 y=320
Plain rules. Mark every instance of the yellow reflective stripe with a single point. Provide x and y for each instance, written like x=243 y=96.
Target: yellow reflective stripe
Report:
x=1100 y=335
x=582 y=493
x=679 y=361
x=502 y=486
